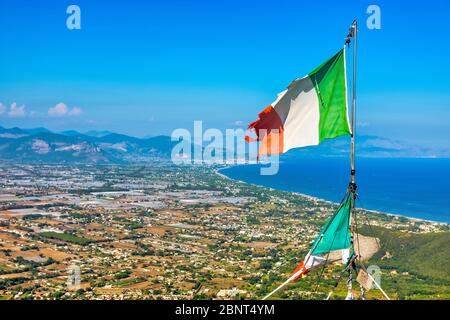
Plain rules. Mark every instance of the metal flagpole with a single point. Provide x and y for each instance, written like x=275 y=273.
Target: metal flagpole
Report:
x=353 y=33
x=352 y=187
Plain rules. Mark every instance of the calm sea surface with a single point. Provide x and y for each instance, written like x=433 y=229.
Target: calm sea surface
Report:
x=418 y=188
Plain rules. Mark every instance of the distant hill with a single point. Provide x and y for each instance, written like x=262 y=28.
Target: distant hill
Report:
x=98 y=134
x=41 y=145
x=70 y=133
x=418 y=253
x=17 y=132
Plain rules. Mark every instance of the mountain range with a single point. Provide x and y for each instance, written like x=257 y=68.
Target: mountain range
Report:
x=40 y=144
x=43 y=145
x=371 y=146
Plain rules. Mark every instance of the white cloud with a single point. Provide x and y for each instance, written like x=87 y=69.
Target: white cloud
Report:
x=61 y=110
x=16 y=111
x=75 y=111
x=2 y=108
x=58 y=111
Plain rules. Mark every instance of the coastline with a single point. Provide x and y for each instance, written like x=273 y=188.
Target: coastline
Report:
x=314 y=198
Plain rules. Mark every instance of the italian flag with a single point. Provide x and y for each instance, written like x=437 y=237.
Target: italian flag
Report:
x=310 y=110
x=335 y=235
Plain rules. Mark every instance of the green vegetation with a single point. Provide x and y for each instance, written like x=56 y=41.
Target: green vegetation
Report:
x=31 y=265
x=412 y=263
x=122 y=274
x=253 y=220
x=135 y=225
x=30 y=247
x=65 y=237
x=32 y=217
x=5 y=283
x=421 y=254
x=128 y=281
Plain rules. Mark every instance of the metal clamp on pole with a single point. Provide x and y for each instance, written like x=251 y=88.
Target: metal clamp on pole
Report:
x=352 y=187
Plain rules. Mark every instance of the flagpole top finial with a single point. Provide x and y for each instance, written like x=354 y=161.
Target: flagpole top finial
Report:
x=351 y=32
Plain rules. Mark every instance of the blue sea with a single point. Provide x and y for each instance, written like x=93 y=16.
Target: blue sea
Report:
x=417 y=188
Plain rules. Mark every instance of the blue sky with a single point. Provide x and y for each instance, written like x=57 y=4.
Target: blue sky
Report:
x=148 y=67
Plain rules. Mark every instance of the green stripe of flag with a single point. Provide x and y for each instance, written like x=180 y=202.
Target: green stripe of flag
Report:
x=335 y=234
x=330 y=85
